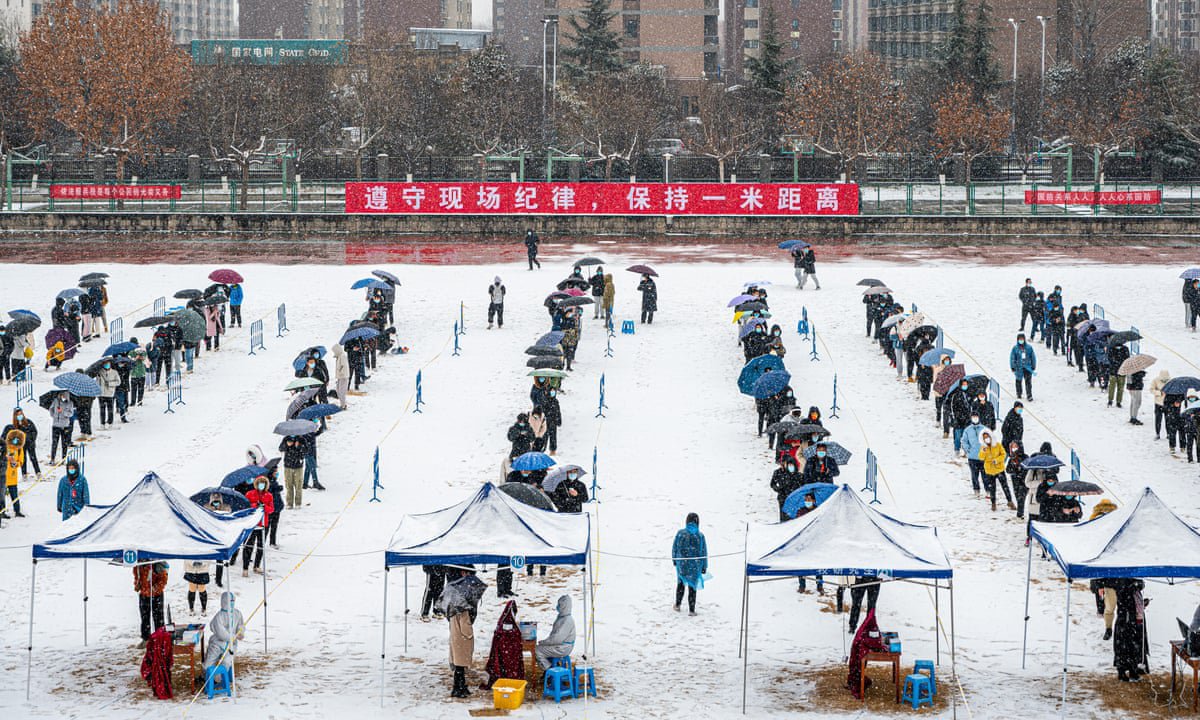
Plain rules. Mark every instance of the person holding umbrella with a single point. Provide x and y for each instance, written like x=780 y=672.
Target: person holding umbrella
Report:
x=1117 y=354
x=459 y=603
x=820 y=468
x=293 y=450
x=553 y=411
x=597 y=281
x=236 y=296
x=690 y=555
x=808 y=264
x=1194 y=304
x=109 y=380
x=6 y=351
x=212 y=329
x=786 y=480
x=73 y=492
x=62 y=416
x=1023 y=363
x=649 y=293
x=569 y=494
x=1134 y=385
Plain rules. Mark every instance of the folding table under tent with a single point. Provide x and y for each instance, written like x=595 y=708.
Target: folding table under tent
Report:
x=845 y=536
x=487 y=528
x=153 y=522
x=1142 y=539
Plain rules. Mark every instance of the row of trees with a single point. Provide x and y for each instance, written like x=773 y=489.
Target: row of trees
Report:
x=111 y=83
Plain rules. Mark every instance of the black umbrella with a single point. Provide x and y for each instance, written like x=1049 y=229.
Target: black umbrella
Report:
x=573 y=281
x=588 y=261
x=576 y=301
x=189 y=294
x=642 y=270
x=386 y=276
x=93 y=276
x=363 y=324
x=214 y=289
x=750 y=306
x=528 y=494
x=99 y=364
x=1075 y=487
x=543 y=350
x=48 y=397
x=925 y=332
x=541 y=362
x=871 y=282
x=1122 y=337
x=153 y=321
x=23 y=324
x=216 y=299
x=94 y=282
x=976 y=384
x=798 y=430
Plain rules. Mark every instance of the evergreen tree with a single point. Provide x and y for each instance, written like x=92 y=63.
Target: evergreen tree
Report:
x=983 y=74
x=952 y=53
x=768 y=71
x=594 y=47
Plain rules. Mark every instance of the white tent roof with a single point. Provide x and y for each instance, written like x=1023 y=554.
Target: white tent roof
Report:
x=1141 y=539
x=845 y=536
x=154 y=521
x=490 y=527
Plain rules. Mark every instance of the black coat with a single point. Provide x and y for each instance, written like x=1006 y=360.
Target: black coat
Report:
x=1027 y=296
x=597 y=283
x=552 y=411
x=293 y=454
x=531 y=243
x=1013 y=428
x=1116 y=355
x=818 y=470
x=1136 y=381
x=564 y=501
x=521 y=437
x=649 y=293
x=808 y=261
x=1129 y=633
x=784 y=483
x=959 y=408
x=987 y=413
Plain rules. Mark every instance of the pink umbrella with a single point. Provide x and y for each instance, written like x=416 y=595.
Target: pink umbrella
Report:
x=574 y=292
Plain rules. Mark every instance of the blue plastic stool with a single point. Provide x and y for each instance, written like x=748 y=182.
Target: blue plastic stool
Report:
x=916 y=691
x=585 y=680
x=557 y=684
x=561 y=662
x=927 y=665
x=626 y=327
x=211 y=689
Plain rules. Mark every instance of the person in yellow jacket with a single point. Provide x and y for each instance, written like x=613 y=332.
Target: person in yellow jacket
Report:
x=14 y=457
x=55 y=355
x=994 y=459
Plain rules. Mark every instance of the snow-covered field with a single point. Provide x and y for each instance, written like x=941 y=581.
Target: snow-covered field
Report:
x=678 y=437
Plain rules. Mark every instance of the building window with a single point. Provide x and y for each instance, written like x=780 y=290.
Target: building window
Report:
x=837 y=25
x=632 y=26
x=837 y=4
x=751 y=3
x=795 y=24
x=750 y=44
x=795 y=44
x=837 y=46
x=751 y=23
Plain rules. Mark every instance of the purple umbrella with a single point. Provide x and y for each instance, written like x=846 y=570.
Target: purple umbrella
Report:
x=65 y=337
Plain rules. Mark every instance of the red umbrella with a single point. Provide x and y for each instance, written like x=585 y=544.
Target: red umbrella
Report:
x=948 y=378
x=225 y=275
x=642 y=270
x=574 y=292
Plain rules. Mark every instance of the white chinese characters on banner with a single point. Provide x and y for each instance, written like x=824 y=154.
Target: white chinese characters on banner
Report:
x=488 y=197
x=562 y=197
x=413 y=197
x=639 y=198
x=450 y=198
x=526 y=198
x=789 y=199
x=827 y=199
x=377 y=197
x=752 y=198
x=676 y=198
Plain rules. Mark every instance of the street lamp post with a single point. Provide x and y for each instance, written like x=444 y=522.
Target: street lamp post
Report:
x=1016 y=26
x=545 y=30
x=1042 y=90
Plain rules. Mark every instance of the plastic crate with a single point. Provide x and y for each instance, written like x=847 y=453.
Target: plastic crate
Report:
x=508 y=694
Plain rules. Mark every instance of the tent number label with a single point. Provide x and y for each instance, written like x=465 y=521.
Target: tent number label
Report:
x=517 y=562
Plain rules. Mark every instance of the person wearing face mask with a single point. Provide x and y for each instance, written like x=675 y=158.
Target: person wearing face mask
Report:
x=1134 y=385
x=1028 y=297
x=73 y=492
x=293 y=450
x=786 y=479
x=775 y=343
x=820 y=468
x=1016 y=474
x=1013 y=427
x=1053 y=334
x=1054 y=508
x=537 y=424
x=259 y=496
x=984 y=409
x=972 y=444
x=571 y=494
x=109 y=381
x=994 y=459
x=938 y=398
x=956 y=414
x=553 y=420
x=1194 y=304
x=1172 y=407
x=62 y=415
x=1023 y=363
x=496 y=292
x=1156 y=394
x=649 y=293
x=1117 y=354
x=521 y=437
x=26 y=426
x=777 y=408
x=925 y=373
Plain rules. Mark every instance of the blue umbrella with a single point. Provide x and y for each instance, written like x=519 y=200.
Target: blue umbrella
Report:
x=365 y=282
x=1180 y=385
x=770 y=384
x=934 y=356
x=1082 y=327
x=840 y=455
x=121 y=348
x=78 y=384
x=551 y=338
x=232 y=499
x=819 y=491
x=1190 y=274
x=1042 y=462
x=362 y=333
x=70 y=293
x=791 y=244
x=242 y=475
x=14 y=314
x=532 y=461
x=754 y=370
x=748 y=326
x=302 y=359
x=741 y=299
x=318 y=411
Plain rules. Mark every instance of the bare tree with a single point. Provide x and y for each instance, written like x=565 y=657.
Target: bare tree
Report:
x=968 y=127
x=731 y=124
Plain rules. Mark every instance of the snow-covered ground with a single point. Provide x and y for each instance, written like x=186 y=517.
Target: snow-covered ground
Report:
x=677 y=437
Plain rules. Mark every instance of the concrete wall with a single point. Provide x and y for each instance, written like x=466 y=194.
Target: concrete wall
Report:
x=341 y=227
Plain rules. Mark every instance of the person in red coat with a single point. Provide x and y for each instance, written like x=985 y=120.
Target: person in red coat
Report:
x=504 y=660
x=259 y=495
x=156 y=664
x=868 y=639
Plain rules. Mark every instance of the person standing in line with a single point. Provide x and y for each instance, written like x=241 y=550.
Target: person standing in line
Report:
x=610 y=294
x=690 y=555
x=197 y=575
x=14 y=456
x=109 y=381
x=994 y=459
x=1117 y=354
x=341 y=369
x=62 y=414
x=259 y=496
x=496 y=292
x=26 y=426
x=649 y=293
x=73 y=493
x=149 y=581
x=435 y=582
x=276 y=489
x=1156 y=393
x=1134 y=385
x=293 y=449
x=597 y=285
x=1023 y=363
x=531 y=248
x=137 y=374
x=6 y=350
x=1028 y=297
x=459 y=604
x=236 y=295
x=553 y=412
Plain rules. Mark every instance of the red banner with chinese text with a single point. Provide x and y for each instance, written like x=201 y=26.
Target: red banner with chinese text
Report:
x=116 y=192
x=601 y=198
x=1091 y=197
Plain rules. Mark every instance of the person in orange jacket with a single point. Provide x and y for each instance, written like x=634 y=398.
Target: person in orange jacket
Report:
x=150 y=581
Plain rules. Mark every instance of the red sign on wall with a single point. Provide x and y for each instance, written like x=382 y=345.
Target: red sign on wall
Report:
x=116 y=192
x=601 y=198
x=1091 y=197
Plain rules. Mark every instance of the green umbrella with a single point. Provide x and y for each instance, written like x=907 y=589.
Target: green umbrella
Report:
x=192 y=325
x=547 y=373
